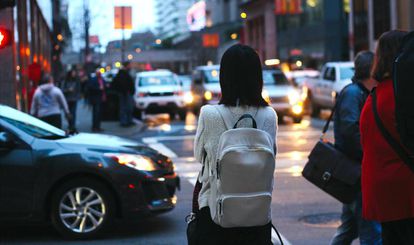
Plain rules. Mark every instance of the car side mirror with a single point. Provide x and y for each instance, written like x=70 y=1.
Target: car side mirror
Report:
x=6 y=140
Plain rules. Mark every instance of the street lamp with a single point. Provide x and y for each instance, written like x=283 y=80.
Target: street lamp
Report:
x=138 y=50
x=130 y=56
x=158 y=41
x=233 y=36
x=243 y=15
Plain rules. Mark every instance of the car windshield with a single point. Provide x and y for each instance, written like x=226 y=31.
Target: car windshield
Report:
x=212 y=76
x=157 y=81
x=30 y=125
x=346 y=72
x=274 y=78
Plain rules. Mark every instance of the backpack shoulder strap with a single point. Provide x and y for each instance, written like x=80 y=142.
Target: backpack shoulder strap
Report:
x=225 y=116
x=396 y=146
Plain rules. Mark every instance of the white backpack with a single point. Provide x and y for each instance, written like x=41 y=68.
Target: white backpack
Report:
x=242 y=177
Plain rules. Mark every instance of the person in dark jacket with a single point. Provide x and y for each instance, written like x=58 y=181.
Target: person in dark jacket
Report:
x=96 y=95
x=348 y=140
x=71 y=88
x=124 y=85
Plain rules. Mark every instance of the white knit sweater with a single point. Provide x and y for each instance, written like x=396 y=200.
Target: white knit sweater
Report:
x=211 y=126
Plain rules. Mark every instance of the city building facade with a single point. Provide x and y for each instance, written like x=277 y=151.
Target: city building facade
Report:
x=30 y=54
x=171 y=18
x=369 y=19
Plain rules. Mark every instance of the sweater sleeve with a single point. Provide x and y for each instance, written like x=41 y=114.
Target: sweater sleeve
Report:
x=199 y=140
x=34 y=110
x=62 y=101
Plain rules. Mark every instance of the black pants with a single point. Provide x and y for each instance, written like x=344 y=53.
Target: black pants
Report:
x=96 y=116
x=55 y=120
x=209 y=233
x=400 y=232
x=72 y=109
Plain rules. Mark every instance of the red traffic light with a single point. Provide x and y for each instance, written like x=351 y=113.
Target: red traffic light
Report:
x=5 y=38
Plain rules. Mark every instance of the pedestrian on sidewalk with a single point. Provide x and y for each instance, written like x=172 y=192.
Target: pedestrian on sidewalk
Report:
x=96 y=96
x=49 y=102
x=71 y=88
x=124 y=85
x=241 y=85
x=387 y=182
x=347 y=139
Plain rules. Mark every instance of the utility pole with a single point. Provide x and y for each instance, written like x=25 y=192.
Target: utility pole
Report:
x=87 y=23
x=123 y=34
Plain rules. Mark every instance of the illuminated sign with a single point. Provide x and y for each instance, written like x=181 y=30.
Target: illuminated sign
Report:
x=196 y=16
x=123 y=18
x=5 y=38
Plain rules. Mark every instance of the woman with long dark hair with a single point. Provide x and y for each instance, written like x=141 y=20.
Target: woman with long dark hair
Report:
x=387 y=182
x=241 y=86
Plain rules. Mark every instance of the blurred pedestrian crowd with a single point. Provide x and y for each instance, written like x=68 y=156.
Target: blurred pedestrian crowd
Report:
x=53 y=98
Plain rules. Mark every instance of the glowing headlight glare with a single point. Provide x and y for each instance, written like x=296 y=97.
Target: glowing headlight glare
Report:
x=294 y=97
x=265 y=95
x=188 y=98
x=297 y=109
x=208 y=95
x=133 y=161
x=304 y=94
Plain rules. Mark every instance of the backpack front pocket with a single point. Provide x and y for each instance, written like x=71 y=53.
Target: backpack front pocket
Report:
x=252 y=209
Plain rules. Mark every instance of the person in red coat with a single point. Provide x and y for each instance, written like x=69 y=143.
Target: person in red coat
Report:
x=387 y=182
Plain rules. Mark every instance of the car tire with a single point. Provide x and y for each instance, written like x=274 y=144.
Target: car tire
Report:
x=183 y=115
x=315 y=110
x=172 y=116
x=87 y=205
x=196 y=110
x=297 y=119
x=138 y=114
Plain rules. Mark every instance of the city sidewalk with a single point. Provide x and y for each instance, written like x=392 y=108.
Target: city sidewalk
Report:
x=84 y=122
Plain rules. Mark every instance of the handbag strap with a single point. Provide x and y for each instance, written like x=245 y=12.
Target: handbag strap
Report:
x=278 y=234
x=396 y=146
x=326 y=127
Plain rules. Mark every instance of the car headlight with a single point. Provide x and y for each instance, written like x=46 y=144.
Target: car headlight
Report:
x=137 y=162
x=294 y=97
x=208 y=95
x=188 y=98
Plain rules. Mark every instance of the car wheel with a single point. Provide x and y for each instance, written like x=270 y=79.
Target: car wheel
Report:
x=281 y=119
x=138 y=114
x=297 y=119
x=172 y=116
x=315 y=110
x=82 y=208
x=183 y=115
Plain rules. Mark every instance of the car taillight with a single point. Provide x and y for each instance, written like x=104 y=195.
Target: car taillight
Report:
x=179 y=93
x=142 y=94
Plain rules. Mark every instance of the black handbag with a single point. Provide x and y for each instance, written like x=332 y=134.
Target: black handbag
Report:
x=191 y=219
x=333 y=171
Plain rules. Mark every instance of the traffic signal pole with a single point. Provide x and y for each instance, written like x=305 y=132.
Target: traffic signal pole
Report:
x=8 y=62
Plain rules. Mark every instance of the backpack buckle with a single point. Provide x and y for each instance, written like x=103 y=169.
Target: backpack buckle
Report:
x=326 y=176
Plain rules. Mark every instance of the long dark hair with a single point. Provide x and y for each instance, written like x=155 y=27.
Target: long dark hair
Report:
x=241 y=78
x=387 y=50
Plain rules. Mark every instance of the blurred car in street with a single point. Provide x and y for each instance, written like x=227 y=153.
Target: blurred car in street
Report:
x=322 y=91
x=282 y=95
x=160 y=91
x=298 y=77
x=205 y=86
x=186 y=86
x=80 y=183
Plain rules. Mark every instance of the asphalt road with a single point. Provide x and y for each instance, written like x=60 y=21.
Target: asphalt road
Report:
x=300 y=211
